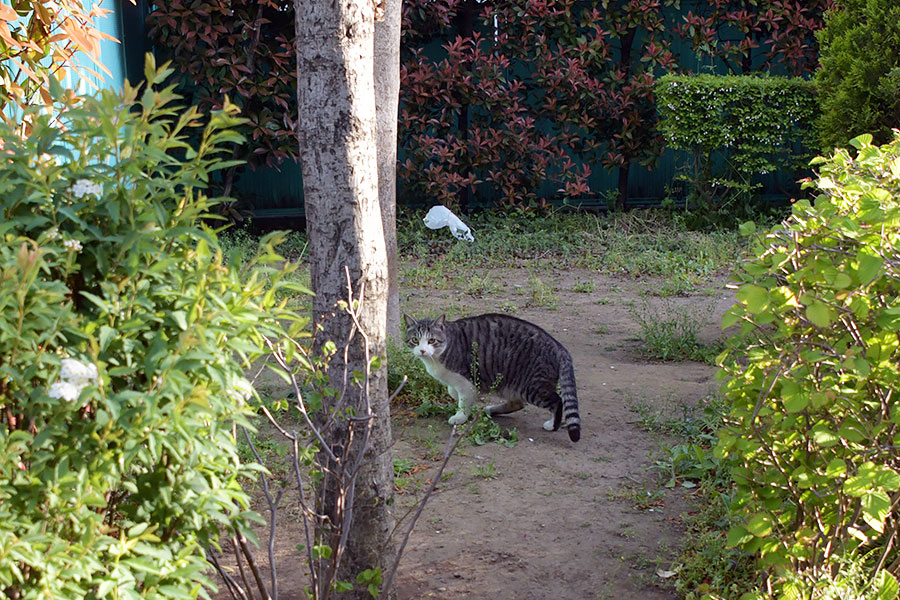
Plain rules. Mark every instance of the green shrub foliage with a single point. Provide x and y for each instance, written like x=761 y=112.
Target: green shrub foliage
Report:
x=736 y=129
x=859 y=81
x=121 y=338
x=811 y=375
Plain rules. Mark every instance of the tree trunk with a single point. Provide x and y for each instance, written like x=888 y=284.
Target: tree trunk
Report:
x=387 y=97
x=622 y=187
x=336 y=131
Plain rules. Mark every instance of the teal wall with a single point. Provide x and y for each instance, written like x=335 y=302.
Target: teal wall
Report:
x=112 y=53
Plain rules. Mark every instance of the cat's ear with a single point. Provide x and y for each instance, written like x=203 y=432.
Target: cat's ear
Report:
x=440 y=320
x=407 y=320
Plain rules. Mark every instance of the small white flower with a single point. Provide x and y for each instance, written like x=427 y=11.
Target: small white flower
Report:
x=73 y=245
x=52 y=234
x=240 y=390
x=65 y=390
x=75 y=376
x=77 y=372
x=83 y=187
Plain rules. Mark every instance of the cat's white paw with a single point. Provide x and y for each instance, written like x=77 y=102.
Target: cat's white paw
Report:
x=548 y=425
x=458 y=419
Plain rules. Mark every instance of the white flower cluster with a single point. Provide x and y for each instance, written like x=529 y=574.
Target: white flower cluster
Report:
x=241 y=390
x=74 y=377
x=72 y=245
x=52 y=234
x=83 y=187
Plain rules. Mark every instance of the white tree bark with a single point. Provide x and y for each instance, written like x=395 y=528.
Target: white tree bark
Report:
x=336 y=131
x=387 y=97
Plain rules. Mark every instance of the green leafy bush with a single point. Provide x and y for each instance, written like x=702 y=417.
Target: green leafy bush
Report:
x=859 y=81
x=122 y=336
x=812 y=373
x=736 y=129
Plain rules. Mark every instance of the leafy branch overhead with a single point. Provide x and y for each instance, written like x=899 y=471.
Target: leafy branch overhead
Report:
x=40 y=40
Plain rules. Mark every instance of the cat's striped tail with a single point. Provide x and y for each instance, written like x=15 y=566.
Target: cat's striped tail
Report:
x=569 y=396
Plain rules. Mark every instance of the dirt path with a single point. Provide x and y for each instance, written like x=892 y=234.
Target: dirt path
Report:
x=549 y=518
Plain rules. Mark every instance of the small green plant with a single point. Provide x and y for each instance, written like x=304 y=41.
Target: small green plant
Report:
x=403 y=466
x=479 y=285
x=655 y=420
x=487 y=471
x=585 y=287
x=669 y=333
x=541 y=294
x=643 y=498
x=708 y=567
x=485 y=430
x=509 y=307
x=403 y=480
x=421 y=391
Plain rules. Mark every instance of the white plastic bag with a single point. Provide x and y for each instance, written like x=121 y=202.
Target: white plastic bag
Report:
x=441 y=216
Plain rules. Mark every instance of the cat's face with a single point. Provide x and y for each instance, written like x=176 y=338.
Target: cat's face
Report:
x=425 y=337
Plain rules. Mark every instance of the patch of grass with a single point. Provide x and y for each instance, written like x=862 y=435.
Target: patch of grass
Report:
x=678 y=285
x=704 y=565
x=635 y=244
x=541 y=294
x=670 y=419
x=425 y=275
x=652 y=242
x=403 y=466
x=479 y=285
x=488 y=471
x=669 y=333
x=585 y=287
x=501 y=238
x=638 y=496
x=509 y=307
x=404 y=482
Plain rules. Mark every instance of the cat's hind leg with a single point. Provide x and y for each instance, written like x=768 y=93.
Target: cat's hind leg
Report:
x=551 y=401
x=554 y=422
x=503 y=408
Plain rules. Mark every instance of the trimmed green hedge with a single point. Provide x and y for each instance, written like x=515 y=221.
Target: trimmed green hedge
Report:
x=736 y=129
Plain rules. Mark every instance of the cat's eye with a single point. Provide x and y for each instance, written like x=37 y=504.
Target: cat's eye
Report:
x=432 y=341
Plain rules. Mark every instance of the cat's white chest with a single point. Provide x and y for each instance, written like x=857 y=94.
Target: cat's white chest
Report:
x=438 y=370
x=457 y=385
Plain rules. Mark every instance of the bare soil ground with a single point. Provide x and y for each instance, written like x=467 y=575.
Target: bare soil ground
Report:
x=549 y=518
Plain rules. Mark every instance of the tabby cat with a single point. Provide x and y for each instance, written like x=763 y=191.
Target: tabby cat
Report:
x=501 y=355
